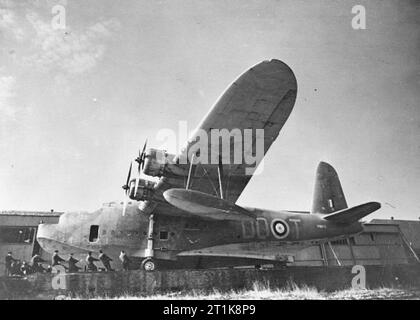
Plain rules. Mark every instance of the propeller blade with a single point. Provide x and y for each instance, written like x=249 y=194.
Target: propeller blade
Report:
x=141 y=157
x=144 y=147
x=126 y=187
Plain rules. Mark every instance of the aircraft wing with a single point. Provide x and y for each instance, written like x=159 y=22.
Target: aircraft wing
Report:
x=261 y=98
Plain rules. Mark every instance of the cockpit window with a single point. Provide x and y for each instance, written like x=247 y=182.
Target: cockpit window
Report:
x=93 y=234
x=163 y=235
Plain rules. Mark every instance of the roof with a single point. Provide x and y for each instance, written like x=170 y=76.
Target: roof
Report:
x=30 y=213
x=393 y=221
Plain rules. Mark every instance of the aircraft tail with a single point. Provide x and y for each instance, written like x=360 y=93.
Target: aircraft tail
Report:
x=329 y=198
x=328 y=195
x=354 y=214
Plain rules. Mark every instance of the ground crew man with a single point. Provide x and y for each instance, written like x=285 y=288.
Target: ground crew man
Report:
x=24 y=268
x=15 y=269
x=90 y=260
x=56 y=259
x=124 y=260
x=35 y=263
x=8 y=262
x=72 y=264
x=106 y=261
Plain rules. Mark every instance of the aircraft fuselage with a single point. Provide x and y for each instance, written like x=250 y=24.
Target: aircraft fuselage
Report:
x=109 y=230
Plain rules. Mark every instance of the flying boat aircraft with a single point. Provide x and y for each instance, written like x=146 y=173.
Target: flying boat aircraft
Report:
x=190 y=218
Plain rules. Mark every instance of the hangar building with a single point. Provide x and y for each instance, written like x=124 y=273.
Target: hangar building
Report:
x=18 y=234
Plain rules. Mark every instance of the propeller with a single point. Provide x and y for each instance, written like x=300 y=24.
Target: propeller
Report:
x=142 y=156
x=140 y=160
x=127 y=189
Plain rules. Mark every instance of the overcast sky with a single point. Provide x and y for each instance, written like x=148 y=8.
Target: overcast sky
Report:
x=76 y=104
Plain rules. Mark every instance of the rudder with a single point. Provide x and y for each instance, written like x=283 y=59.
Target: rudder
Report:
x=328 y=195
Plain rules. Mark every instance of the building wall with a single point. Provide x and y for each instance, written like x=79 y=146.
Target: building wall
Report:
x=410 y=229
x=18 y=234
x=376 y=245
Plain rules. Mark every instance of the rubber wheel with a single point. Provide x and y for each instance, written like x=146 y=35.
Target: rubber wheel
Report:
x=148 y=265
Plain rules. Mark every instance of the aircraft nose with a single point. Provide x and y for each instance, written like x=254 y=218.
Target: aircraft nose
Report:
x=46 y=235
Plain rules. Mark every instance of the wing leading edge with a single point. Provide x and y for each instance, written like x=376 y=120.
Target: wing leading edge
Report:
x=206 y=206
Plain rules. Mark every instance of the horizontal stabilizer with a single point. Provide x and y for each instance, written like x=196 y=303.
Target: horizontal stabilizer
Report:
x=350 y=215
x=205 y=205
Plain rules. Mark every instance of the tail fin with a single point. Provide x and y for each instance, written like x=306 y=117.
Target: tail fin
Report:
x=328 y=195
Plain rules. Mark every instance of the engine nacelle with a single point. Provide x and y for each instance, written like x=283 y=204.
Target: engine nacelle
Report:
x=159 y=163
x=155 y=162
x=145 y=190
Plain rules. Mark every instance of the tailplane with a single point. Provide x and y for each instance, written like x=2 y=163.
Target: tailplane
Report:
x=354 y=214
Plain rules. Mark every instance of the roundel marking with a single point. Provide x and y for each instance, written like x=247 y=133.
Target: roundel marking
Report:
x=280 y=228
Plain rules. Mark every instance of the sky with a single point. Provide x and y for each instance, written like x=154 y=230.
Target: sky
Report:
x=77 y=103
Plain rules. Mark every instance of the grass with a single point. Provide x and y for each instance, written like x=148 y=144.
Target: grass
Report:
x=263 y=291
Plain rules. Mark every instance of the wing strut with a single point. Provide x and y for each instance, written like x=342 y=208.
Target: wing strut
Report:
x=220 y=174
x=190 y=172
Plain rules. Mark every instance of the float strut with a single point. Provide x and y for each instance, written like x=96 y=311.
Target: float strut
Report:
x=149 y=249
